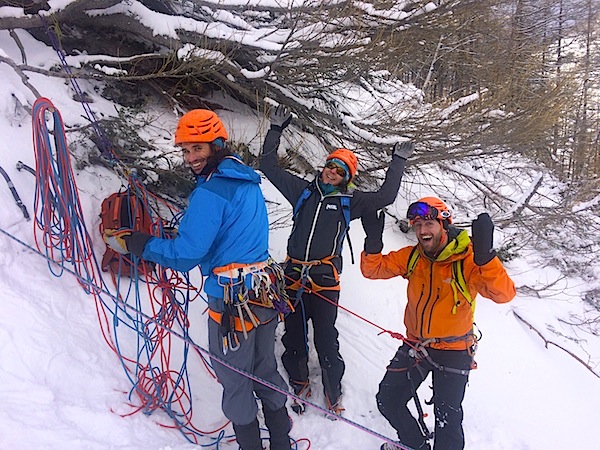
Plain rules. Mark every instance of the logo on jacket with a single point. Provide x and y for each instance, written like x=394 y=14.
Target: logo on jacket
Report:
x=331 y=206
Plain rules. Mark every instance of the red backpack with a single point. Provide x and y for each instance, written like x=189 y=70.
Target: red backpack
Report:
x=124 y=210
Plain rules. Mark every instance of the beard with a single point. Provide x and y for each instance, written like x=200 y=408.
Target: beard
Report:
x=214 y=159
x=432 y=247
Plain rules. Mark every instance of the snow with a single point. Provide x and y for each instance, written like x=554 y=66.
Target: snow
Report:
x=63 y=387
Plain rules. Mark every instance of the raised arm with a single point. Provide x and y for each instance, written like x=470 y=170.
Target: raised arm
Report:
x=289 y=185
x=488 y=273
x=373 y=264
x=368 y=201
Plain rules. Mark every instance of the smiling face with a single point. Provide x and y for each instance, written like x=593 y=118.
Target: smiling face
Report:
x=431 y=235
x=196 y=155
x=332 y=174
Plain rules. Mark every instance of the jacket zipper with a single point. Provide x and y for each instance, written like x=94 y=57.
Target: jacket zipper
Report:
x=336 y=240
x=437 y=297
x=312 y=229
x=428 y=298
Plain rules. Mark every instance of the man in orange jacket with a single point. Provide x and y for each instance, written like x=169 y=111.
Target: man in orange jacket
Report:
x=445 y=271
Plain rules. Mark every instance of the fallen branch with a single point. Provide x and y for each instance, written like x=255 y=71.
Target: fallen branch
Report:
x=547 y=343
x=24 y=78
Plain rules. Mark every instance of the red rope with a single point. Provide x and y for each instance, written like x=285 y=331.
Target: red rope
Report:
x=383 y=330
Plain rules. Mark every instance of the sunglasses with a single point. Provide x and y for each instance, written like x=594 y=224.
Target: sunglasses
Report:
x=339 y=170
x=425 y=212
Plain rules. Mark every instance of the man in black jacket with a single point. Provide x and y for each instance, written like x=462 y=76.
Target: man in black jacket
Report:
x=322 y=208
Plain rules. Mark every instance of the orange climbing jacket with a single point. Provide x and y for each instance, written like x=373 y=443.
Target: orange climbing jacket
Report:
x=437 y=311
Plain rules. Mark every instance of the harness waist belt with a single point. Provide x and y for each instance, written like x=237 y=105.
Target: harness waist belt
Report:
x=235 y=270
x=216 y=316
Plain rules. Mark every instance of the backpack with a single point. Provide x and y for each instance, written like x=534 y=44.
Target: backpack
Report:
x=345 y=200
x=124 y=209
x=458 y=283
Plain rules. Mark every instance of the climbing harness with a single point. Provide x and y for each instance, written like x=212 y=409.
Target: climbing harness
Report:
x=419 y=352
x=259 y=284
x=303 y=268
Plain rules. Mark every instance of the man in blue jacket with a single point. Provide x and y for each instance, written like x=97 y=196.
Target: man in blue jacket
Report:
x=224 y=230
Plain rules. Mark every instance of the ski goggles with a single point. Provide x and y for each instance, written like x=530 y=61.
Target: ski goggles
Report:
x=425 y=212
x=338 y=169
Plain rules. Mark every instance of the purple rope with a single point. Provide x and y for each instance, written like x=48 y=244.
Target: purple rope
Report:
x=103 y=142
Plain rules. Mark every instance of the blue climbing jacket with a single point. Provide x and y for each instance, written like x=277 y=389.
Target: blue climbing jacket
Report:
x=225 y=222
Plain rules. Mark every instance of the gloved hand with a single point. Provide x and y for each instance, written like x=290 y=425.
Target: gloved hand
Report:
x=126 y=241
x=403 y=149
x=116 y=240
x=483 y=239
x=373 y=224
x=280 y=117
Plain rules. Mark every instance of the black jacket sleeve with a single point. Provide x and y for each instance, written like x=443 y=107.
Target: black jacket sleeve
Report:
x=363 y=202
x=290 y=185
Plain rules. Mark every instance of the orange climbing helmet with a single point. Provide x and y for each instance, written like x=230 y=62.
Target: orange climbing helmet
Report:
x=200 y=125
x=347 y=157
x=429 y=208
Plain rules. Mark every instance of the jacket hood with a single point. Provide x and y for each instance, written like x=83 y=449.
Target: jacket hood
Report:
x=233 y=167
x=458 y=244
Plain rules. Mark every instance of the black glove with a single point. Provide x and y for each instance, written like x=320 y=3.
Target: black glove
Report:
x=125 y=241
x=483 y=239
x=373 y=224
x=136 y=242
x=403 y=149
x=280 y=117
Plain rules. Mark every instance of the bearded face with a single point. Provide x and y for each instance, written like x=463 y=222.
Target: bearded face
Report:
x=196 y=155
x=431 y=235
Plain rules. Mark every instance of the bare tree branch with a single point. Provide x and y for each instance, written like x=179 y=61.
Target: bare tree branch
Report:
x=548 y=342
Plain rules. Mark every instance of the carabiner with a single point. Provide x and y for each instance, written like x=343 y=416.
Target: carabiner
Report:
x=234 y=342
